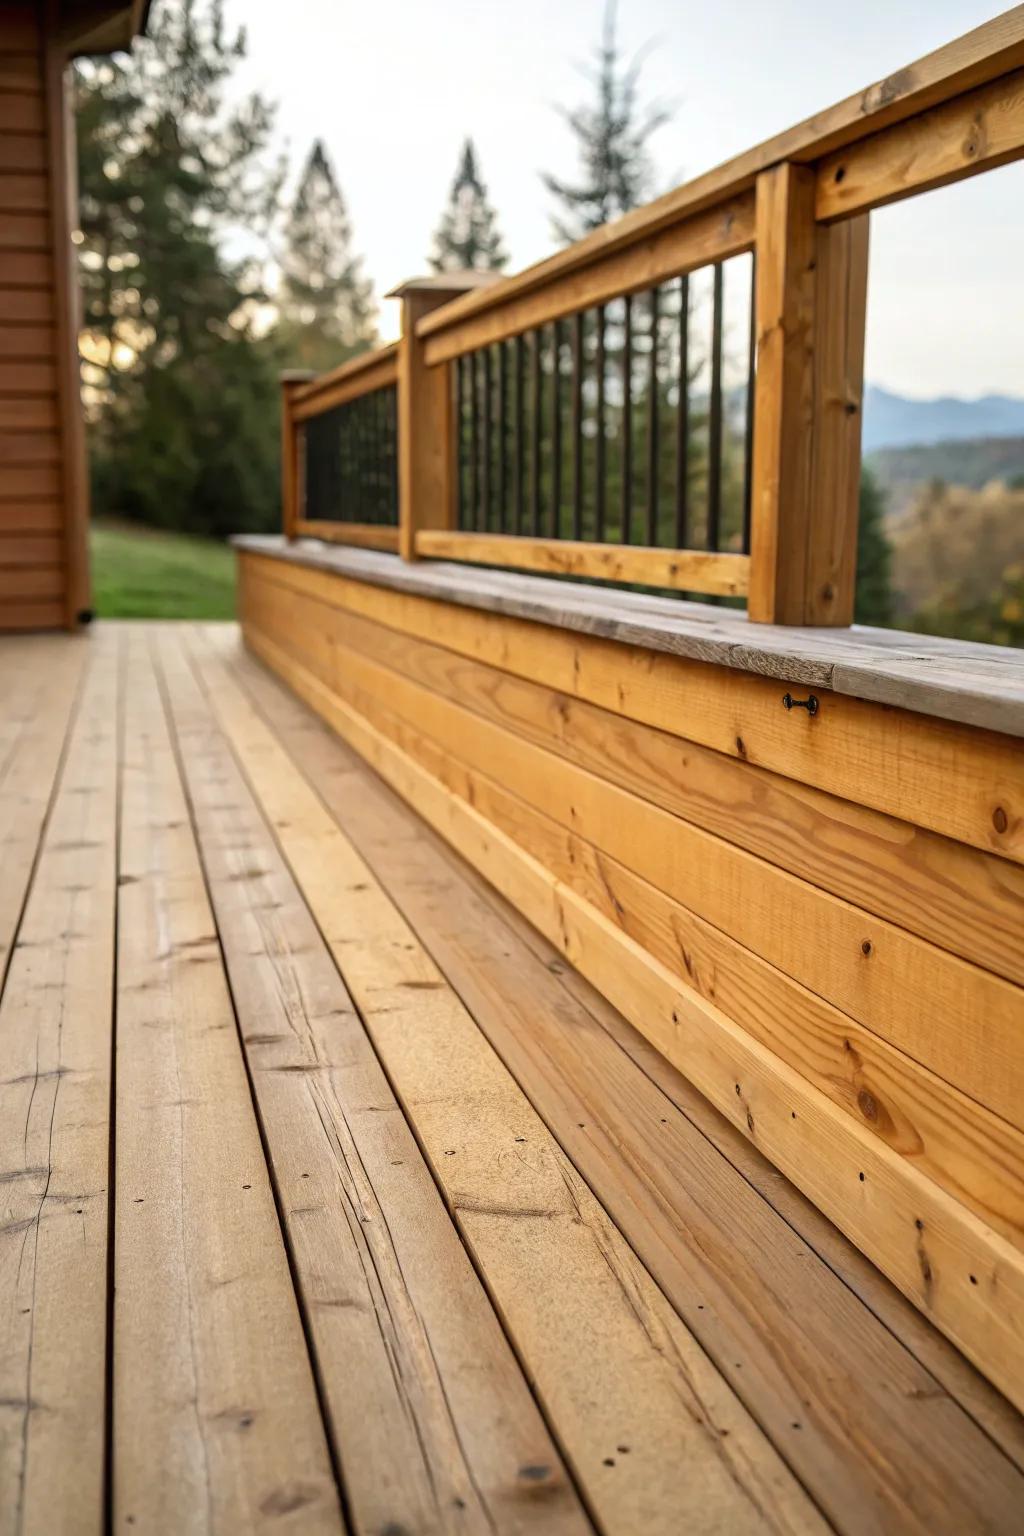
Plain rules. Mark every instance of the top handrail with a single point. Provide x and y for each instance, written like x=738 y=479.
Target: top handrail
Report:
x=978 y=58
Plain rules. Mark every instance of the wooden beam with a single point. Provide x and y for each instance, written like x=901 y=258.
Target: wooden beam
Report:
x=375 y=370
x=811 y=295
x=363 y=535
x=292 y=490
x=688 y=570
x=975 y=132
x=426 y=417
x=710 y=235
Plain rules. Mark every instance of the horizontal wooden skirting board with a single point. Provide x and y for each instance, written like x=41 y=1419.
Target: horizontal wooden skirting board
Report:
x=738 y=939
x=975 y=132
x=20 y=375
x=713 y=234
x=691 y=570
x=21 y=112
x=968 y=1150
x=961 y=1273
x=965 y=783
x=963 y=900
x=362 y=535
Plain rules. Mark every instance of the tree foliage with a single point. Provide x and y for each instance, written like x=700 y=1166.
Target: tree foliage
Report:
x=873 y=599
x=326 y=307
x=612 y=132
x=468 y=237
x=178 y=385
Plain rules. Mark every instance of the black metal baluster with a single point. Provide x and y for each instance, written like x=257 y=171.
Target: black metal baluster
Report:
x=715 y=417
x=538 y=403
x=652 y=426
x=395 y=484
x=627 y=420
x=519 y=439
x=474 y=450
x=460 y=436
x=683 y=417
x=748 y=433
x=600 y=454
x=577 y=426
x=502 y=419
x=487 y=482
x=555 y=513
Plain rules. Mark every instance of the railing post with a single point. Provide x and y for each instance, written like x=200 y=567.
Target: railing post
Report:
x=426 y=438
x=811 y=299
x=291 y=469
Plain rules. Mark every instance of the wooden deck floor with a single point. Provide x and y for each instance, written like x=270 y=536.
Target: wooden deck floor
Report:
x=331 y=1200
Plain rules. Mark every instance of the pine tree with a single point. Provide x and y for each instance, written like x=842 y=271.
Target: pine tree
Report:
x=172 y=163
x=326 y=305
x=873 y=603
x=468 y=237
x=612 y=134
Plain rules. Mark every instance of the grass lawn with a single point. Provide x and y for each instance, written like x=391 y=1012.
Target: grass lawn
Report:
x=139 y=573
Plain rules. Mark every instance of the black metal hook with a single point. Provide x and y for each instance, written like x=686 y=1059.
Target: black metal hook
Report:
x=810 y=703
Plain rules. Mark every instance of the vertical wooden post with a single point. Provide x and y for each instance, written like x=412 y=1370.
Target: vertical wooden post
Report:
x=426 y=428
x=811 y=299
x=291 y=468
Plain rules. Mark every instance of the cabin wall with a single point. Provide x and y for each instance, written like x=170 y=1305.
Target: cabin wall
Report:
x=43 y=564
x=819 y=921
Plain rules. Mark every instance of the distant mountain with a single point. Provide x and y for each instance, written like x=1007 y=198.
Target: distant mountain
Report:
x=893 y=421
x=900 y=472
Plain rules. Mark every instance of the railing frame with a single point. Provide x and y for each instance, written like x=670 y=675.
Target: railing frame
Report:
x=801 y=202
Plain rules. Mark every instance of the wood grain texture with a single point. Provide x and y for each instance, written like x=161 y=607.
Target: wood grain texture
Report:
x=964 y=783
x=709 y=235
x=793 y=1340
x=443 y=1433
x=216 y=1422
x=38 y=692
x=609 y=1359
x=959 y=898
x=965 y=1277
x=975 y=132
x=688 y=569
x=362 y=535
x=899 y=986
x=56 y=1028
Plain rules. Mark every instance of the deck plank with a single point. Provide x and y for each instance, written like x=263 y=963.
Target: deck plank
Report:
x=216 y=1420
x=38 y=689
x=55 y=1051
x=442 y=1433
x=657 y=1439
x=866 y=1425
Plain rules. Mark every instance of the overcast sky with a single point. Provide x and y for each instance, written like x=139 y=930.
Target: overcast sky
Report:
x=394 y=86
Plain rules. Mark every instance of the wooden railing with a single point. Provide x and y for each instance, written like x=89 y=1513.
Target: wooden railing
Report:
x=800 y=204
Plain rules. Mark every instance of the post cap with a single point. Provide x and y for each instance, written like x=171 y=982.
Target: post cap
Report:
x=446 y=282
x=296 y=375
